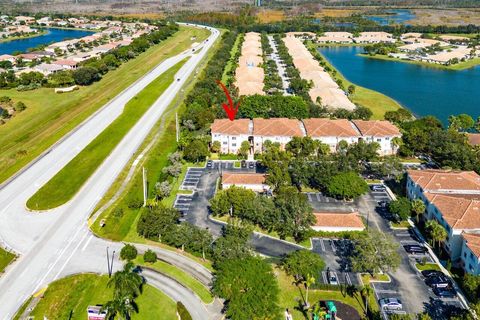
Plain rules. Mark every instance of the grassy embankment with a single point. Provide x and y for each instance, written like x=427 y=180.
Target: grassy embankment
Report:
x=291 y=296
x=5 y=259
x=66 y=183
x=68 y=298
x=122 y=226
x=28 y=36
x=377 y=102
x=188 y=281
x=50 y=115
x=455 y=67
x=231 y=63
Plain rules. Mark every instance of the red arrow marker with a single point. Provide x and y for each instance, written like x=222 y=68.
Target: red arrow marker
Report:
x=230 y=109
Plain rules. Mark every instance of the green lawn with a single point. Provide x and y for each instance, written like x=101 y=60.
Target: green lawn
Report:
x=231 y=62
x=367 y=278
x=66 y=183
x=179 y=275
x=49 y=115
x=68 y=298
x=458 y=66
x=5 y=259
x=290 y=295
x=400 y=225
x=374 y=100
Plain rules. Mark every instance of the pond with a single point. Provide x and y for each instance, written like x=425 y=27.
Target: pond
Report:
x=396 y=16
x=52 y=35
x=423 y=90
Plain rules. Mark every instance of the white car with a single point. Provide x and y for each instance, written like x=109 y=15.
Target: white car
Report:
x=391 y=304
x=332 y=278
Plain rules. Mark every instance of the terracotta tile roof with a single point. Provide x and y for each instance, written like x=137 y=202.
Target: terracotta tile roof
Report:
x=243 y=178
x=235 y=127
x=473 y=138
x=277 y=127
x=66 y=62
x=377 y=128
x=473 y=242
x=445 y=180
x=323 y=127
x=332 y=219
x=460 y=213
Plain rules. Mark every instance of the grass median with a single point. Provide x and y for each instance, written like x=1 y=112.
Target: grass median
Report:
x=5 y=259
x=68 y=298
x=188 y=281
x=66 y=183
x=50 y=115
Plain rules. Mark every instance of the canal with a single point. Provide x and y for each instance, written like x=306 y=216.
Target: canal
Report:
x=52 y=35
x=423 y=90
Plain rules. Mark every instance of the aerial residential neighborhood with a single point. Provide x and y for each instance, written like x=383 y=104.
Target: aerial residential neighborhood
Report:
x=266 y=160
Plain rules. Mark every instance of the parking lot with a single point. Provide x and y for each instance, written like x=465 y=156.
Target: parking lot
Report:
x=335 y=252
x=322 y=203
x=245 y=166
x=192 y=177
x=182 y=204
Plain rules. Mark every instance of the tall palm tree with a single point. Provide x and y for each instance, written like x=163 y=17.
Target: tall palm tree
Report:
x=418 y=207
x=308 y=282
x=365 y=292
x=123 y=307
x=126 y=282
x=436 y=231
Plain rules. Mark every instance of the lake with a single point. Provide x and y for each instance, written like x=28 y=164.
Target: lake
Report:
x=52 y=35
x=423 y=90
x=397 y=16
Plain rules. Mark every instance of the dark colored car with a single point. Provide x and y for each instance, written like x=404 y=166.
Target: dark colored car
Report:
x=251 y=165
x=382 y=203
x=439 y=282
x=209 y=164
x=377 y=187
x=432 y=273
x=445 y=293
x=415 y=249
x=244 y=164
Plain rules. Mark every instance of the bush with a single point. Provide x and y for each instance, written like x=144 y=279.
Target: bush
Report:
x=150 y=256
x=20 y=106
x=183 y=312
x=128 y=252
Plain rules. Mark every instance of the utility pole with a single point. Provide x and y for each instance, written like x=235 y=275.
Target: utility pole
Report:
x=176 y=127
x=144 y=175
x=110 y=263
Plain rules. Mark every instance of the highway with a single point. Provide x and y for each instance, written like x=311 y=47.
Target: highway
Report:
x=58 y=243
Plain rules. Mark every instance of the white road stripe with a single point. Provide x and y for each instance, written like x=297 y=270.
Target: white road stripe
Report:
x=86 y=243
x=70 y=257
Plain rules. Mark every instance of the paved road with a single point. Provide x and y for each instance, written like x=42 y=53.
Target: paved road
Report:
x=59 y=242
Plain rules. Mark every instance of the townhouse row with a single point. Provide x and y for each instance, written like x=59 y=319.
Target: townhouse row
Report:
x=231 y=134
x=452 y=198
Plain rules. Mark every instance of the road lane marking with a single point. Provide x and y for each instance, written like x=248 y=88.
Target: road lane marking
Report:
x=70 y=257
x=86 y=243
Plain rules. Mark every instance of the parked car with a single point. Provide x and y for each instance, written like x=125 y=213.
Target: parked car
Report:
x=415 y=249
x=377 y=187
x=244 y=164
x=251 y=165
x=390 y=304
x=332 y=278
x=382 y=203
x=439 y=282
x=445 y=292
x=432 y=273
x=209 y=164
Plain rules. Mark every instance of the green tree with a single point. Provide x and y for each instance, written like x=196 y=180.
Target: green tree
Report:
x=418 y=208
x=366 y=291
x=302 y=263
x=157 y=222
x=128 y=252
x=347 y=185
x=216 y=147
x=351 y=89
x=375 y=251
x=461 y=122
x=244 y=150
x=436 y=232
x=196 y=151
x=150 y=256
x=235 y=201
x=20 y=106
x=401 y=207
x=85 y=75
x=126 y=283
x=294 y=213
x=123 y=307
x=249 y=287
x=233 y=244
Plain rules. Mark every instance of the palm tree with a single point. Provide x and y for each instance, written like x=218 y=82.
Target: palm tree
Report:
x=365 y=292
x=308 y=282
x=436 y=231
x=126 y=282
x=397 y=142
x=418 y=207
x=123 y=307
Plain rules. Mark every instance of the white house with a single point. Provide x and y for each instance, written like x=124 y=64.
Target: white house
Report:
x=277 y=130
x=470 y=260
x=251 y=181
x=331 y=132
x=337 y=222
x=374 y=37
x=381 y=132
x=231 y=134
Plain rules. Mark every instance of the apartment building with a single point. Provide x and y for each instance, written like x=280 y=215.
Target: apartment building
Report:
x=231 y=134
x=452 y=199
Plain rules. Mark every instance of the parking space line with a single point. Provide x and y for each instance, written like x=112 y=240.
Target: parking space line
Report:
x=387 y=291
x=347 y=277
x=324 y=276
x=322 y=245
x=333 y=246
x=318 y=197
